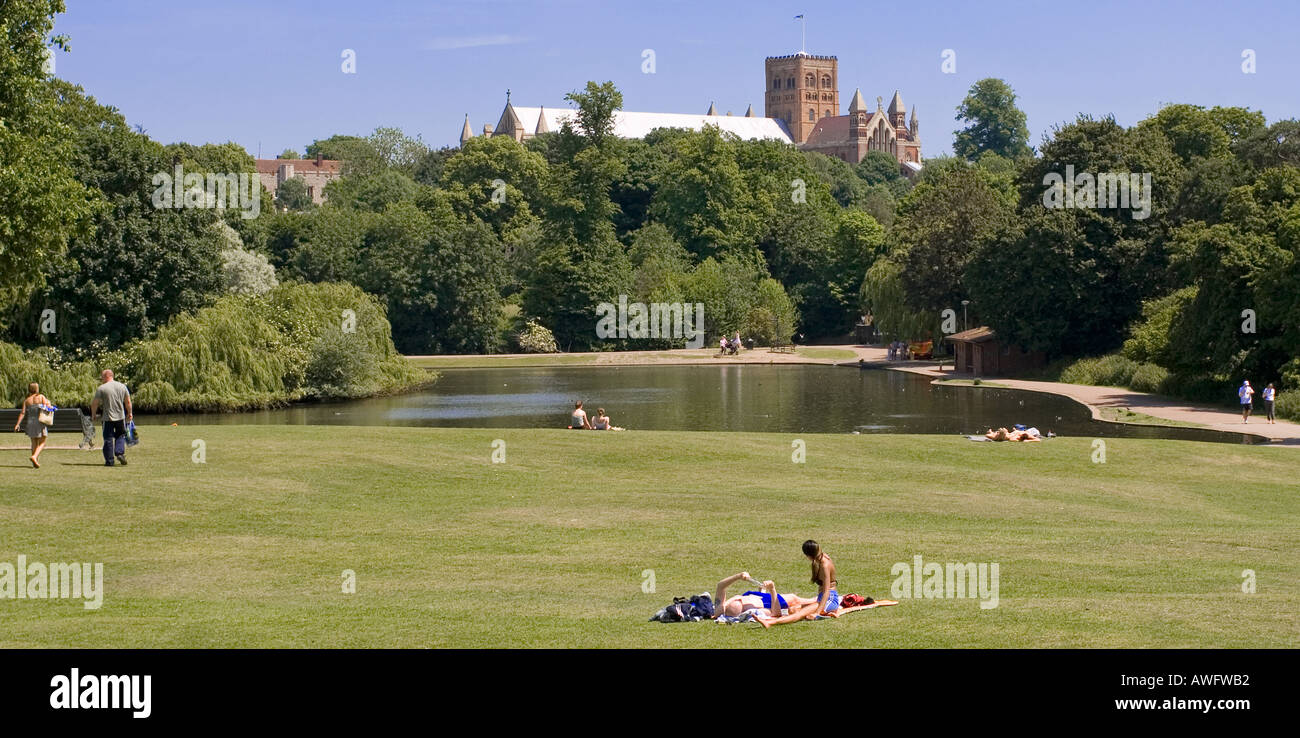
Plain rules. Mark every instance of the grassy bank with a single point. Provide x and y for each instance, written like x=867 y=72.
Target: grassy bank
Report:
x=549 y=548
x=621 y=358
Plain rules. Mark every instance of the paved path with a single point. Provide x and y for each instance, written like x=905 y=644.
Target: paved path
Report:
x=1282 y=433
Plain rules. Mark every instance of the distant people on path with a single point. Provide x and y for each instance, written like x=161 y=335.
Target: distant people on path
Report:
x=115 y=398
x=1246 y=394
x=1270 y=396
x=578 y=421
x=37 y=431
x=735 y=343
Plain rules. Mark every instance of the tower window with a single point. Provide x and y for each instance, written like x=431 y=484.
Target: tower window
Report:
x=827 y=114
x=809 y=80
x=812 y=115
x=776 y=83
x=826 y=81
x=789 y=83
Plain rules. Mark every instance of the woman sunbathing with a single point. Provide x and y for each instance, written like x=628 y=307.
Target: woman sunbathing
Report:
x=1002 y=434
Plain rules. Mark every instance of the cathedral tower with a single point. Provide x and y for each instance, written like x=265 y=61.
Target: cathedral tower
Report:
x=801 y=89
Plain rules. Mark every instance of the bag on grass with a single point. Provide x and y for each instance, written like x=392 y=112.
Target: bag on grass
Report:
x=684 y=609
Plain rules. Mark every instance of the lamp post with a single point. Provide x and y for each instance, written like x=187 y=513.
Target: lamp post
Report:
x=964 y=303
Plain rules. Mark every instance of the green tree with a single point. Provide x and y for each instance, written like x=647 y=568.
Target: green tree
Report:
x=993 y=122
x=42 y=203
x=292 y=194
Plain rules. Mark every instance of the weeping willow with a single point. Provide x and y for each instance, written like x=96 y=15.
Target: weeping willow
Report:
x=296 y=342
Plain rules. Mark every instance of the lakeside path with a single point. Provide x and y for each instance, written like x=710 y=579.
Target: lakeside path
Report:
x=1282 y=433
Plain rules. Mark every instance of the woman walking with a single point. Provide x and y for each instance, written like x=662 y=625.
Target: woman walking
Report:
x=1270 y=396
x=36 y=430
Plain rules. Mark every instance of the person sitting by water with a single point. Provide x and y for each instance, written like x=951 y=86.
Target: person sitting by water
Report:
x=602 y=421
x=578 y=421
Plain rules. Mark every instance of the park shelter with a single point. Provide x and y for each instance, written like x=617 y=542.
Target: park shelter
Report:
x=979 y=353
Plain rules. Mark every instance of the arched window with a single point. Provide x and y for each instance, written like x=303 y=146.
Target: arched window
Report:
x=812 y=115
x=809 y=80
x=826 y=114
x=789 y=83
x=776 y=83
x=826 y=81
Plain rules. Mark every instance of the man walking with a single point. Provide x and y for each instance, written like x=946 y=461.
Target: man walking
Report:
x=116 y=400
x=1246 y=394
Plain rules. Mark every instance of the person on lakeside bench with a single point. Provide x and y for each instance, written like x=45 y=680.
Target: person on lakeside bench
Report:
x=765 y=604
x=36 y=431
x=578 y=421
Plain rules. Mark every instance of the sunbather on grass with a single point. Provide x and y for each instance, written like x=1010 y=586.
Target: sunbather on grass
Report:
x=766 y=603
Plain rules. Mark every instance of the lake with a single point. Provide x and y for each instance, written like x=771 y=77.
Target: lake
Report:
x=783 y=399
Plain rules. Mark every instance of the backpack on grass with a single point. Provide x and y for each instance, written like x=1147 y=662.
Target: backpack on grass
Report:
x=684 y=609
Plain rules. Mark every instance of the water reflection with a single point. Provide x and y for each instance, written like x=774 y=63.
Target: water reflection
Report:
x=793 y=399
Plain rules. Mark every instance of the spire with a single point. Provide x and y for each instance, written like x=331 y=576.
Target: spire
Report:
x=466 y=133
x=712 y=109
x=858 y=105
x=750 y=113
x=509 y=123
x=914 y=127
x=541 y=122
x=896 y=105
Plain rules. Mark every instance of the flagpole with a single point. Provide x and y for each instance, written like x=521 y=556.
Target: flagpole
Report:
x=803 y=34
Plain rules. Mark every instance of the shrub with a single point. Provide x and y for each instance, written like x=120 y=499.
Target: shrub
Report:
x=536 y=338
x=1149 y=378
x=1111 y=371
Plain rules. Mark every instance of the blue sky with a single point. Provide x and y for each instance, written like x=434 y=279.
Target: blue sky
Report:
x=268 y=73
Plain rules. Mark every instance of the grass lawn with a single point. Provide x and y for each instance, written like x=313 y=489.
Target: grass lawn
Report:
x=488 y=360
x=813 y=352
x=1125 y=415
x=549 y=548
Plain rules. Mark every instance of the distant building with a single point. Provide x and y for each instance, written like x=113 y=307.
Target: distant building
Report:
x=316 y=172
x=522 y=123
x=980 y=354
x=804 y=92
x=801 y=107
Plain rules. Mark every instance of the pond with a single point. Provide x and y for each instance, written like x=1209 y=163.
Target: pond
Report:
x=785 y=399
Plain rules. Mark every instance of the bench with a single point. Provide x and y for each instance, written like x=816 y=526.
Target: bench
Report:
x=66 y=420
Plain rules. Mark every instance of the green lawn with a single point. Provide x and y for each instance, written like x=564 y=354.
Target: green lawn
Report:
x=1125 y=415
x=548 y=549
x=488 y=360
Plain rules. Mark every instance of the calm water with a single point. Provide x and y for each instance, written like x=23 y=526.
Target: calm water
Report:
x=787 y=399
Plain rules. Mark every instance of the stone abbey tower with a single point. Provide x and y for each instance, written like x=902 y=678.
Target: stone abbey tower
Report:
x=803 y=93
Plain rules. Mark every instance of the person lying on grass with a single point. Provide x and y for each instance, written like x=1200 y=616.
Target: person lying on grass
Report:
x=765 y=604
x=1002 y=434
